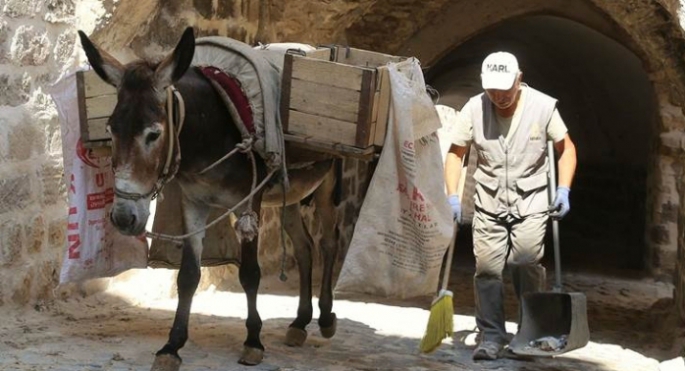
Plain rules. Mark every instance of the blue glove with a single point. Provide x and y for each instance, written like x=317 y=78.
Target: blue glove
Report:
x=456 y=207
x=561 y=205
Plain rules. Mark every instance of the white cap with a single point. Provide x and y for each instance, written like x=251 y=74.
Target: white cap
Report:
x=499 y=71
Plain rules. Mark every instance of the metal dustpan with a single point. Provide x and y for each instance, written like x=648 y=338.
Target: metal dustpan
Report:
x=552 y=323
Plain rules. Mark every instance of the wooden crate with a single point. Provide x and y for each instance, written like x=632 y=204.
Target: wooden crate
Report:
x=96 y=101
x=341 y=103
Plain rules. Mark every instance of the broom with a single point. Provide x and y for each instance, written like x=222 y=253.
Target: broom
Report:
x=441 y=322
x=441 y=319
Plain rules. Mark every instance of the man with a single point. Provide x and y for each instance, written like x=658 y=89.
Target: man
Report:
x=509 y=125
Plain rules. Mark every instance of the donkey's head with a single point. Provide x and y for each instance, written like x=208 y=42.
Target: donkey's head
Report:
x=139 y=126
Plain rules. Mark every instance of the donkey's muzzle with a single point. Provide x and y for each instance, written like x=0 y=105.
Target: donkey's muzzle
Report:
x=125 y=222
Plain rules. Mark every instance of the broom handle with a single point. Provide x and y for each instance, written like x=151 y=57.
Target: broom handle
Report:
x=555 y=223
x=450 y=253
x=453 y=241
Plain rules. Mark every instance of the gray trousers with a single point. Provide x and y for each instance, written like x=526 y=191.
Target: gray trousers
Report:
x=520 y=244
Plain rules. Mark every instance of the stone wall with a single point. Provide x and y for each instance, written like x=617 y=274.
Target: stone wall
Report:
x=35 y=44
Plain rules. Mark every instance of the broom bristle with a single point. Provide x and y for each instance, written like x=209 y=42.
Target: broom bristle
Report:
x=440 y=323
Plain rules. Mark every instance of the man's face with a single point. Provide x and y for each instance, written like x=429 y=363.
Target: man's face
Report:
x=504 y=99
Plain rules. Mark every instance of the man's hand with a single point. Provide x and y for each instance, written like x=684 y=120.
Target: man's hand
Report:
x=456 y=207
x=561 y=205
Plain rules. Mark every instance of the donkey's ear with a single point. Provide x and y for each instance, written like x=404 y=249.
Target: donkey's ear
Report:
x=175 y=65
x=108 y=68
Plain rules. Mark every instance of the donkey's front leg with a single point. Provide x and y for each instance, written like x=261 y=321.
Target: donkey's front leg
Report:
x=250 y=276
x=195 y=217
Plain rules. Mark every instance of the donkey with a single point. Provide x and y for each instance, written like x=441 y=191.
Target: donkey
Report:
x=142 y=144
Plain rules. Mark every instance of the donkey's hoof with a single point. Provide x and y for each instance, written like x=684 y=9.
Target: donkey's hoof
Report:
x=251 y=356
x=166 y=362
x=295 y=337
x=329 y=331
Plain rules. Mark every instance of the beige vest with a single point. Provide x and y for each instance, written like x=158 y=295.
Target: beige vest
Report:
x=511 y=178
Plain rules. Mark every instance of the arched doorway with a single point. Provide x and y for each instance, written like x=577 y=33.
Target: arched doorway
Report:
x=608 y=104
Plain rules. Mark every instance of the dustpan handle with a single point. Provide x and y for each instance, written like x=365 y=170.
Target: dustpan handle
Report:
x=555 y=223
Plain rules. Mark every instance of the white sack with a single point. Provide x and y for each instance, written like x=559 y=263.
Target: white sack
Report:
x=94 y=248
x=405 y=223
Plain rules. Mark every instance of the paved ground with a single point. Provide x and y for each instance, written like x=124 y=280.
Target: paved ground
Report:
x=632 y=329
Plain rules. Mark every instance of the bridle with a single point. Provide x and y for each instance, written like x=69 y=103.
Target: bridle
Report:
x=175 y=111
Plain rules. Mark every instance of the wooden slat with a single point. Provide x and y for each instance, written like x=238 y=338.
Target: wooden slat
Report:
x=365 y=154
x=320 y=53
x=81 y=99
x=324 y=100
x=329 y=73
x=383 y=107
x=97 y=129
x=322 y=128
x=100 y=148
x=95 y=86
x=364 y=123
x=100 y=106
x=364 y=58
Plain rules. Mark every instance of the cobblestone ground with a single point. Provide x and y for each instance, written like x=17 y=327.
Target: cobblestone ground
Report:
x=632 y=329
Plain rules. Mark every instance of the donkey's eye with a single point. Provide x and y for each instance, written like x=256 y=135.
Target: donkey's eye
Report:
x=151 y=137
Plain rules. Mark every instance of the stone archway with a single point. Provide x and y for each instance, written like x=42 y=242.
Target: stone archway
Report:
x=651 y=37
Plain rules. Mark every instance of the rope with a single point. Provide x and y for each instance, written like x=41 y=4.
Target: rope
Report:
x=179 y=239
x=283 y=277
x=244 y=146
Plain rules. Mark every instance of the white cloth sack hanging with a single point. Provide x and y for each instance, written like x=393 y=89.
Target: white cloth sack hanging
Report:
x=94 y=247
x=405 y=223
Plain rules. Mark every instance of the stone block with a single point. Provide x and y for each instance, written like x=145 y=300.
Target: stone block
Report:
x=59 y=11
x=676 y=364
x=45 y=278
x=64 y=48
x=57 y=236
x=22 y=288
x=252 y=11
x=4 y=36
x=54 y=188
x=672 y=139
x=14 y=89
x=226 y=9
x=35 y=232
x=22 y=8
x=30 y=47
x=15 y=193
x=4 y=134
x=26 y=141
x=204 y=8
x=11 y=242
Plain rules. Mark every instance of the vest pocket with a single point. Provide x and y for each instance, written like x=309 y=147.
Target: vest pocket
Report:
x=486 y=193
x=532 y=182
x=534 y=198
x=485 y=180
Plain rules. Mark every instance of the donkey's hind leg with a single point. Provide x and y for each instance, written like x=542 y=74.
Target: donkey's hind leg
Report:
x=326 y=212
x=195 y=217
x=302 y=243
